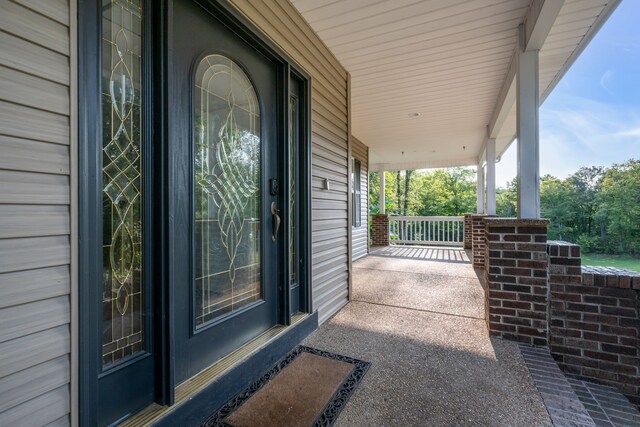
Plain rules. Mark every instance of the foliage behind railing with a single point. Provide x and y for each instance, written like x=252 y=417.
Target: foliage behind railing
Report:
x=426 y=230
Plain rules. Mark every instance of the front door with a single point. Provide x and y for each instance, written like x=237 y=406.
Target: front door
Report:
x=223 y=189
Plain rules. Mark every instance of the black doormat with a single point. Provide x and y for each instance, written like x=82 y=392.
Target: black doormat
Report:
x=307 y=387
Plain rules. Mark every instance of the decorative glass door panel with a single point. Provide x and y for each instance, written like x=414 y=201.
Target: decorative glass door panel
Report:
x=293 y=173
x=122 y=294
x=227 y=190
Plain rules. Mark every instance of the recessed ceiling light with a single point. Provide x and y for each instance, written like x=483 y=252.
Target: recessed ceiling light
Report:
x=415 y=114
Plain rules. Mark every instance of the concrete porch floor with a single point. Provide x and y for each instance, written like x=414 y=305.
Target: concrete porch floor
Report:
x=417 y=316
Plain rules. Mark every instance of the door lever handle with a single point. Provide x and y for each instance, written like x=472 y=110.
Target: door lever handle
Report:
x=275 y=215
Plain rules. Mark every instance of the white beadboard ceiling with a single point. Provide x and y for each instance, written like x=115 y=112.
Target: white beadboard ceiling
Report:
x=446 y=60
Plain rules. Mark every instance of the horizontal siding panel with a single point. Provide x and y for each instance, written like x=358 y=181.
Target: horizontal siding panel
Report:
x=360 y=235
x=321 y=93
x=359 y=151
x=57 y=10
x=33 y=156
x=336 y=282
x=329 y=113
x=25 y=352
x=328 y=150
x=338 y=183
x=332 y=234
x=330 y=306
x=338 y=131
x=32 y=26
x=319 y=193
x=359 y=256
x=329 y=166
x=318 y=214
x=362 y=252
x=40 y=411
x=21 y=88
x=20 y=320
x=33 y=220
x=29 y=123
x=35 y=285
x=329 y=242
x=319 y=127
x=33 y=252
x=326 y=139
x=33 y=382
x=329 y=294
x=329 y=254
x=320 y=267
x=34 y=188
x=328 y=224
x=337 y=180
x=329 y=204
x=64 y=421
x=360 y=245
x=331 y=275
x=32 y=59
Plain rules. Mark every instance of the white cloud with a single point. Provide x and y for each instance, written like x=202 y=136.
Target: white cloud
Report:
x=577 y=132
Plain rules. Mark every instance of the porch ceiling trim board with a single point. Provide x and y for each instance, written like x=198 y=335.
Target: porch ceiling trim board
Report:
x=451 y=60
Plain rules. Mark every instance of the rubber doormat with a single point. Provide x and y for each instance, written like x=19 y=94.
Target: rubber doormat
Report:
x=309 y=387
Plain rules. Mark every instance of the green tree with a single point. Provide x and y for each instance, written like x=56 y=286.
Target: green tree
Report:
x=507 y=199
x=447 y=192
x=556 y=204
x=619 y=203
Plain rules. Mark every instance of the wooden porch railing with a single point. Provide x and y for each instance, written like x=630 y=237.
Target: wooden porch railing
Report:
x=426 y=230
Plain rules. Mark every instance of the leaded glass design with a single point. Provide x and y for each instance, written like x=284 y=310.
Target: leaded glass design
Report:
x=293 y=155
x=227 y=190
x=122 y=297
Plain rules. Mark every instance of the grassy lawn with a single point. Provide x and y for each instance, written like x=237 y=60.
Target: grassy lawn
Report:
x=612 y=261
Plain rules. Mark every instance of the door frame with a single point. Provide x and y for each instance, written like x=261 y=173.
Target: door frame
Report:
x=157 y=207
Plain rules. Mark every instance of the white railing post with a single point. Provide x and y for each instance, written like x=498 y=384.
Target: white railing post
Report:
x=426 y=230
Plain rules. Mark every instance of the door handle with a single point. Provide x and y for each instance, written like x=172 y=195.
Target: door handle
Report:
x=275 y=215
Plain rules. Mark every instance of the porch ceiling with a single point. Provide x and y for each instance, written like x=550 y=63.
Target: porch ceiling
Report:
x=447 y=60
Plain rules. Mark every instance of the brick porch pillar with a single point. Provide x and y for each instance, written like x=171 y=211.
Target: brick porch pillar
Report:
x=380 y=230
x=477 y=239
x=594 y=326
x=468 y=234
x=516 y=279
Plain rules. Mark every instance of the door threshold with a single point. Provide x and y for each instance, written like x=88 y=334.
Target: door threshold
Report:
x=200 y=381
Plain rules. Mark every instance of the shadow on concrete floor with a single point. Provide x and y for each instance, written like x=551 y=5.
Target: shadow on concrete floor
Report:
x=421 y=325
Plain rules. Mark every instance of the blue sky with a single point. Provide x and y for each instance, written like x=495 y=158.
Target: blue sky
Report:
x=592 y=117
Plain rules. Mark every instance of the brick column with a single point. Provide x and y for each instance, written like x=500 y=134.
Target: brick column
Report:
x=595 y=326
x=468 y=234
x=380 y=230
x=477 y=239
x=565 y=276
x=516 y=279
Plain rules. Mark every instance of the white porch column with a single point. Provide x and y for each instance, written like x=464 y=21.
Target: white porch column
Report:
x=480 y=186
x=491 y=176
x=527 y=131
x=382 y=184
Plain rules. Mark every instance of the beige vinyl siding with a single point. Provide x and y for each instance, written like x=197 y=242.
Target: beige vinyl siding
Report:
x=281 y=22
x=35 y=254
x=360 y=235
